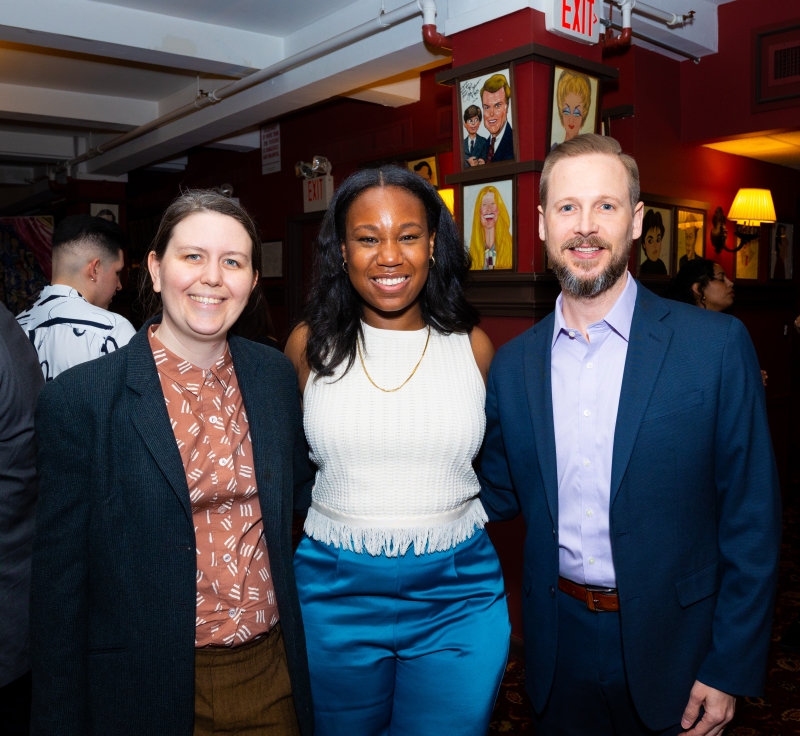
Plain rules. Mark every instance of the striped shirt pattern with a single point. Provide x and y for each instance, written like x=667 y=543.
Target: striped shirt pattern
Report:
x=235 y=593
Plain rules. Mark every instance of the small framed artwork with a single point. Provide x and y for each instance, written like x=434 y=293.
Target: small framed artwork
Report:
x=108 y=212
x=655 y=244
x=574 y=105
x=426 y=168
x=746 y=263
x=690 y=235
x=780 y=251
x=272 y=259
x=486 y=110
x=488 y=223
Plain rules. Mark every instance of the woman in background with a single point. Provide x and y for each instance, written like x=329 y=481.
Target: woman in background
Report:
x=491 y=244
x=400 y=587
x=163 y=596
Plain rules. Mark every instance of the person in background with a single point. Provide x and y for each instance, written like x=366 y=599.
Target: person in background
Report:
x=401 y=589
x=163 y=594
x=20 y=382
x=650 y=562
x=703 y=282
x=256 y=321
x=70 y=322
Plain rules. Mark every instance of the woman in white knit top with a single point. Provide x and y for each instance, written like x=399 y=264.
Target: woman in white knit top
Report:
x=400 y=587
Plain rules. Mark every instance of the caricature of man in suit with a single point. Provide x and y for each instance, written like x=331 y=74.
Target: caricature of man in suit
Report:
x=495 y=97
x=475 y=146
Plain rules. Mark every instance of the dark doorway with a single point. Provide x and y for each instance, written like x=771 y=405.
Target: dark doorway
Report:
x=301 y=235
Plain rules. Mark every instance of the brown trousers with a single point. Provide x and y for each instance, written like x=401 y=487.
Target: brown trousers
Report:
x=244 y=691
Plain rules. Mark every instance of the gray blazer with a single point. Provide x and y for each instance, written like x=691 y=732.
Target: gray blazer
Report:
x=20 y=381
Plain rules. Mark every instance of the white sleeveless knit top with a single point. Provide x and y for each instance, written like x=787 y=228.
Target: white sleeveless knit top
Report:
x=396 y=468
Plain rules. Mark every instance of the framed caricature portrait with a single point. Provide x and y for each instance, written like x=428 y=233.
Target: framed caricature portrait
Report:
x=780 y=251
x=488 y=223
x=691 y=229
x=746 y=263
x=655 y=244
x=486 y=111
x=426 y=168
x=106 y=211
x=574 y=105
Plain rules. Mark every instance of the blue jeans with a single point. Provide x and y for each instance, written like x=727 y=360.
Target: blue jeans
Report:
x=403 y=646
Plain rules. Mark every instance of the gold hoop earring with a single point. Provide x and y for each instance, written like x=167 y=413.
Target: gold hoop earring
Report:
x=344 y=267
x=432 y=262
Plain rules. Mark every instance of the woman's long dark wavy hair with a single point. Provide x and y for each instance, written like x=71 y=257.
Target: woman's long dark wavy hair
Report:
x=334 y=309
x=697 y=271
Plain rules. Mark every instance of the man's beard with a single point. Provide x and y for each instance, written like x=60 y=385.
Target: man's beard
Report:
x=586 y=288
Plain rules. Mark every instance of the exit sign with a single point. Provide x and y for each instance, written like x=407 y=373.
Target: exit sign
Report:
x=317 y=193
x=575 y=19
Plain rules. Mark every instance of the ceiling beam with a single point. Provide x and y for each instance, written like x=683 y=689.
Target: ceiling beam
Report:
x=100 y=29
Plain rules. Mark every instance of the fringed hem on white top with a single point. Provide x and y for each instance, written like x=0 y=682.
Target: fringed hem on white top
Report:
x=396 y=541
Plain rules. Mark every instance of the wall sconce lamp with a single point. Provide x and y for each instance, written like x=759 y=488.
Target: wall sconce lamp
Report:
x=449 y=198
x=319 y=166
x=750 y=209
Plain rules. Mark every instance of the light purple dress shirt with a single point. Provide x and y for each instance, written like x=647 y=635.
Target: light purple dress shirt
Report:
x=586 y=378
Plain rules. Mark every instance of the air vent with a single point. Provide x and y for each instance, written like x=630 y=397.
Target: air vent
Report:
x=784 y=63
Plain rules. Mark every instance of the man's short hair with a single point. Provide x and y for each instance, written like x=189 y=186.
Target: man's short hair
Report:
x=494 y=83
x=587 y=145
x=473 y=111
x=79 y=230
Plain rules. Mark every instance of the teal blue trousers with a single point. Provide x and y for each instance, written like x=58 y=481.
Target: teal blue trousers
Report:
x=403 y=646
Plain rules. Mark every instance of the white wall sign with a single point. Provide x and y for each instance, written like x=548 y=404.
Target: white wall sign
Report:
x=574 y=19
x=272 y=259
x=317 y=193
x=271 y=148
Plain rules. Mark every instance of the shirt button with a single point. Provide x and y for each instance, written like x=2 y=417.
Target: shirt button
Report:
x=587 y=413
x=590 y=365
x=552 y=592
x=571 y=333
x=213 y=420
x=227 y=557
x=588 y=513
x=232 y=612
x=221 y=510
x=586 y=463
x=591 y=560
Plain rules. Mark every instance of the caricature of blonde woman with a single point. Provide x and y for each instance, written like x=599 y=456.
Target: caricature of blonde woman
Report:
x=574 y=98
x=490 y=245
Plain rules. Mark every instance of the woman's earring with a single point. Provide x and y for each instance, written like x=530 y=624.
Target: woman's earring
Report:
x=344 y=266
x=432 y=262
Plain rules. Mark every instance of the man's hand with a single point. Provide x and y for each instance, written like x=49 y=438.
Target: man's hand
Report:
x=719 y=708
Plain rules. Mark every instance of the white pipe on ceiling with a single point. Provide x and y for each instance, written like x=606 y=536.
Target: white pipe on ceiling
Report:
x=650 y=11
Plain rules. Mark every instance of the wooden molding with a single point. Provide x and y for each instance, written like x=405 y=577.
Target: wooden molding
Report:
x=493 y=171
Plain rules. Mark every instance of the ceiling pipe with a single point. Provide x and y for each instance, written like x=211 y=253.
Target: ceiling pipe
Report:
x=649 y=11
x=430 y=34
x=382 y=22
x=610 y=41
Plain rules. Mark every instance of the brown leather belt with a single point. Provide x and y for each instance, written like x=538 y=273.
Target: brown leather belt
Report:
x=596 y=599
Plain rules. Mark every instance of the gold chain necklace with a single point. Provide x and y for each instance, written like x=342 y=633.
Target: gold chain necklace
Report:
x=392 y=390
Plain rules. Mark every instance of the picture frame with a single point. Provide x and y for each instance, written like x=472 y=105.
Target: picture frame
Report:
x=781 y=242
x=568 y=91
x=109 y=212
x=272 y=259
x=690 y=234
x=488 y=210
x=478 y=130
x=747 y=259
x=426 y=167
x=655 y=254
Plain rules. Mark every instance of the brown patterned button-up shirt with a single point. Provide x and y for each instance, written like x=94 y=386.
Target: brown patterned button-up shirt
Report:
x=235 y=594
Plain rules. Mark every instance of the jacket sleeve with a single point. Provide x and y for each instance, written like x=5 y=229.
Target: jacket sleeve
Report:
x=497 y=488
x=749 y=525
x=60 y=567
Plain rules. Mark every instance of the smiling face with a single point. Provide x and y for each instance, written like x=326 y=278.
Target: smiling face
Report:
x=588 y=224
x=572 y=115
x=652 y=243
x=387 y=249
x=472 y=126
x=205 y=278
x=489 y=211
x=495 y=110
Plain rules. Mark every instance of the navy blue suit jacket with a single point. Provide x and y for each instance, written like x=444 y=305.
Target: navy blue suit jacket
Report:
x=114 y=563
x=479 y=150
x=694 y=506
x=505 y=151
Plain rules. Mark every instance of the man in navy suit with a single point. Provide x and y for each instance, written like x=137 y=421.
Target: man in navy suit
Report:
x=475 y=146
x=495 y=99
x=650 y=562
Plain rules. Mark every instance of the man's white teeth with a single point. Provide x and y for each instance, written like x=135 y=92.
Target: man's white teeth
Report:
x=206 y=300
x=391 y=282
x=587 y=249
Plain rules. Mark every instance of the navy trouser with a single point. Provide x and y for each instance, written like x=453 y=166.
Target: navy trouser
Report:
x=590 y=692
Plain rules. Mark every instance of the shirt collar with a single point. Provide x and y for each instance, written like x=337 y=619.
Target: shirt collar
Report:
x=60 y=290
x=619 y=317
x=499 y=135
x=187 y=375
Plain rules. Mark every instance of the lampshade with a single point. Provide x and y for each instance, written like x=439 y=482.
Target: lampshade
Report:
x=448 y=195
x=752 y=207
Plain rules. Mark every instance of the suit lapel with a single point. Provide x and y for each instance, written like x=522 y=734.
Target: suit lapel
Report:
x=540 y=404
x=649 y=340
x=150 y=417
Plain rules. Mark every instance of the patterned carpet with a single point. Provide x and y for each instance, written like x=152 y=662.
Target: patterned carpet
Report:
x=777 y=713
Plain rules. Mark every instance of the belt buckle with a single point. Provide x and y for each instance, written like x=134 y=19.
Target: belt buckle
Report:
x=593 y=602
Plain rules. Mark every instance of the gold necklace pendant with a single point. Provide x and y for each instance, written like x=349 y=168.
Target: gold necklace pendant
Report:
x=392 y=390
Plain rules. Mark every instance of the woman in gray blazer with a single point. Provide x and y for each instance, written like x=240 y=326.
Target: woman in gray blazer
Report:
x=163 y=592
